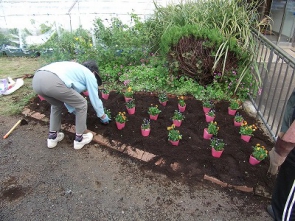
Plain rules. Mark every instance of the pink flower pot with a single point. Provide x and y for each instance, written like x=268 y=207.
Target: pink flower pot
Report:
x=237 y=124
x=41 y=98
x=105 y=96
x=174 y=143
x=206 y=135
x=216 y=153
x=127 y=99
x=86 y=93
x=206 y=109
x=120 y=126
x=154 y=117
x=253 y=160
x=177 y=123
x=245 y=137
x=131 y=110
x=163 y=103
x=231 y=112
x=145 y=132
x=181 y=109
x=209 y=118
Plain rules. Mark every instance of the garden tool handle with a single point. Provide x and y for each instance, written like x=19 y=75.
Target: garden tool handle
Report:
x=9 y=132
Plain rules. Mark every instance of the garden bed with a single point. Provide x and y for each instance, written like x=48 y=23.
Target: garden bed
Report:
x=192 y=159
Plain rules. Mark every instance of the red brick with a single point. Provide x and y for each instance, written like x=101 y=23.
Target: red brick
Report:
x=215 y=180
x=136 y=153
x=244 y=188
x=147 y=156
x=38 y=116
x=27 y=112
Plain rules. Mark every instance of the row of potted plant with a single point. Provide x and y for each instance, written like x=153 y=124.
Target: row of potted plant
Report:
x=174 y=136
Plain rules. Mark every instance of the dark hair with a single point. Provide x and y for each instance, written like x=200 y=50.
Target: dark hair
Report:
x=92 y=66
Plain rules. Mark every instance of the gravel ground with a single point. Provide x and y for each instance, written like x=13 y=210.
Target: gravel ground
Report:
x=95 y=183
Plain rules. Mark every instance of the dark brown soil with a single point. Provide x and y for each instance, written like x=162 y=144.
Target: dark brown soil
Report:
x=193 y=153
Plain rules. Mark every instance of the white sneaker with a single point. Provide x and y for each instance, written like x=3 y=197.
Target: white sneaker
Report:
x=87 y=138
x=53 y=142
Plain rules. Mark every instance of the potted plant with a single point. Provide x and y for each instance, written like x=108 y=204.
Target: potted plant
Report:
x=121 y=120
x=233 y=107
x=211 y=130
x=163 y=99
x=217 y=146
x=174 y=135
x=130 y=106
x=154 y=112
x=207 y=105
x=246 y=131
x=128 y=94
x=181 y=104
x=238 y=119
x=210 y=115
x=145 y=127
x=259 y=153
x=177 y=118
x=105 y=93
x=108 y=112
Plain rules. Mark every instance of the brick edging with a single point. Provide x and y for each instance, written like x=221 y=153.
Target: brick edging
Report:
x=134 y=152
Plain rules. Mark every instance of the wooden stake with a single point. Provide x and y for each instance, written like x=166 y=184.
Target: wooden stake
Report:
x=9 y=132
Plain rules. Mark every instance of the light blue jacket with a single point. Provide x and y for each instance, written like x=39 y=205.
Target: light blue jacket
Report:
x=80 y=78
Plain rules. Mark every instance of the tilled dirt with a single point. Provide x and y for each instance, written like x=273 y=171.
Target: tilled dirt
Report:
x=95 y=183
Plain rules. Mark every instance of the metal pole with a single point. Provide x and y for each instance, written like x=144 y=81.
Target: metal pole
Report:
x=282 y=24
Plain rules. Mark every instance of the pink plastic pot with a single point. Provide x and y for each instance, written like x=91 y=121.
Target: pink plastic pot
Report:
x=163 y=103
x=245 y=137
x=253 y=160
x=177 y=123
x=206 y=109
x=206 y=135
x=131 y=110
x=174 y=143
x=127 y=99
x=86 y=93
x=105 y=96
x=181 y=109
x=231 y=112
x=216 y=153
x=120 y=126
x=154 y=117
x=41 y=98
x=145 y=132
x=209 y=118
x=237 y=124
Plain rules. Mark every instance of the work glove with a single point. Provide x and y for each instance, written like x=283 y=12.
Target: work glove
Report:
x=278 y=154
x=105 y=120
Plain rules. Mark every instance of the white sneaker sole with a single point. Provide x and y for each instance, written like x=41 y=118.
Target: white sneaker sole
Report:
x=87 y=138
x=52 y=143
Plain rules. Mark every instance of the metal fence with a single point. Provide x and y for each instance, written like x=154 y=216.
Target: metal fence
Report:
x=276 y=69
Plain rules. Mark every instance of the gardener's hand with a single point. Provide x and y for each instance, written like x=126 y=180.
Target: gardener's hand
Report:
x=105 y=119
x=275 y=160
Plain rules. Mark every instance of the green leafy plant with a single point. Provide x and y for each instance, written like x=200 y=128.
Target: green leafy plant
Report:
x=238 y=117
x=146 y=124
x=128 y=93
x=217 y=144
x=208 y=103
x=121 y=117
x=211 y=112
x=173 y=135
x=181 y=101
x=108 y=112
x=178 y=115
x=105 y=91
x=259 y=152
x=246 y=129
x=234 y=104
x=163 y=97
x=154 y=110
x=130 y=104
x=213 y=128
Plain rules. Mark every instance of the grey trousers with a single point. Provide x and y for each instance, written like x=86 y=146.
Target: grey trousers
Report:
x=55 y=92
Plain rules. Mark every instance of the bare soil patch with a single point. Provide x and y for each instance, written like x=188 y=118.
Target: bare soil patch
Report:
x=192 y=159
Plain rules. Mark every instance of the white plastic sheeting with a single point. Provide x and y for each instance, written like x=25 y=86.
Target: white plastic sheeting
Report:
x=70 y=14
